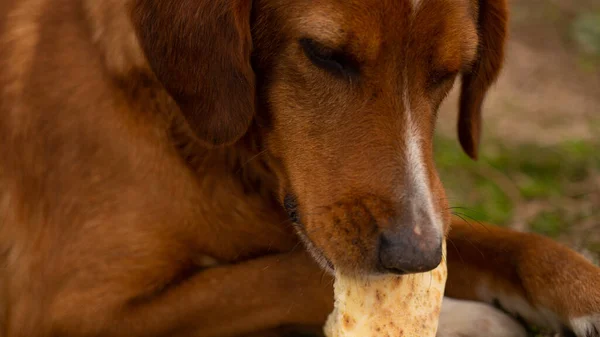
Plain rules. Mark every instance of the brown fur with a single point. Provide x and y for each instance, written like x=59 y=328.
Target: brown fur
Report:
x=148 y=146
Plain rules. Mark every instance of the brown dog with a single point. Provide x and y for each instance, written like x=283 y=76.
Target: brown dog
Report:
x=147 y=148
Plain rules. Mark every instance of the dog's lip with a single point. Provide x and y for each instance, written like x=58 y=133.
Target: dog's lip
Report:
x=314 y=250
x=290 y=204
x=330 y=265
x=327 y=266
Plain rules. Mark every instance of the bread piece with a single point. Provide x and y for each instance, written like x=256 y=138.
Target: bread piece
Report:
x=387 y=306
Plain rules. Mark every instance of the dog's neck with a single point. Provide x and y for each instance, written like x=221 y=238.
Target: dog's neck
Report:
x=247 y=161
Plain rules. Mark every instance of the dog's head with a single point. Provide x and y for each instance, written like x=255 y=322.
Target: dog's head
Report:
x=348 y=91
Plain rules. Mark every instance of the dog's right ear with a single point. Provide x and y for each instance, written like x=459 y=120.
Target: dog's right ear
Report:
x=200 y=51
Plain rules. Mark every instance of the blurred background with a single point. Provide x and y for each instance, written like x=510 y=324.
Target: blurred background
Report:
x=539 y=166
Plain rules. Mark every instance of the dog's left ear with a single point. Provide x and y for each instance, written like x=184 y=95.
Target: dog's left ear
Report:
x=492 y=17
x=200 y=51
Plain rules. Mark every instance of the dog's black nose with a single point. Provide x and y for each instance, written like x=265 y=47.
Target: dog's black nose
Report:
x=408 y=250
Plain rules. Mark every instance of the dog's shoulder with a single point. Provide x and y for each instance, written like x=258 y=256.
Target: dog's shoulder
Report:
x=85 y=38
x=74 y=94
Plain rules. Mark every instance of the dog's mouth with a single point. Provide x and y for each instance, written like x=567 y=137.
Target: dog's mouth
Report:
x=291 y=207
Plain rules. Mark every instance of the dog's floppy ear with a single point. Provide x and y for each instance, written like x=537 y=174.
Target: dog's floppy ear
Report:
x=492 y=16
x=200 y=51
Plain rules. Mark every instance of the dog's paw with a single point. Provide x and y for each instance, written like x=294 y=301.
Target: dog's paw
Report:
x=586 y=326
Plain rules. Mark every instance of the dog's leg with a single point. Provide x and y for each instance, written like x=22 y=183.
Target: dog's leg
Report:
x=525 y=274
x=222 y=301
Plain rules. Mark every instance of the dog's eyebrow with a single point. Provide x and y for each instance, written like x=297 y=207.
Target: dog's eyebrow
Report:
x=324 y=28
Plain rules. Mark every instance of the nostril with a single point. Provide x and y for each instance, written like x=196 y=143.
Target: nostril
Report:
x=402 y=254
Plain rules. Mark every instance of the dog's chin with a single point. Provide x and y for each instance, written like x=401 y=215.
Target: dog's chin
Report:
x=314 y=251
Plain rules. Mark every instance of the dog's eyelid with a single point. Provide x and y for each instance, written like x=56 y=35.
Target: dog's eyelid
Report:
x=316 y=49
x=333 y=60
x=322 y=46
x=438 y=76
x=448 y=73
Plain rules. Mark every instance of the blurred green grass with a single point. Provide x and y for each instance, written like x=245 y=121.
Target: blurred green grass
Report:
x=527 y=183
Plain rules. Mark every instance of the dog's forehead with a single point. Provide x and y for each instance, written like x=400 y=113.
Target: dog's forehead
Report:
x=359 y=15
x=365 y=24
x=359 y=25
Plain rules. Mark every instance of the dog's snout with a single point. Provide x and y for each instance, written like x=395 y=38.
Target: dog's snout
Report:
x=410 y=249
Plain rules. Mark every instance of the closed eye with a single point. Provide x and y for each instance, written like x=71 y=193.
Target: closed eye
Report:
x=333 y=61
x=438 y=78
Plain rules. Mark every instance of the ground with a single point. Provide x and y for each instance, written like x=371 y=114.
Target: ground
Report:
x=539 y=168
